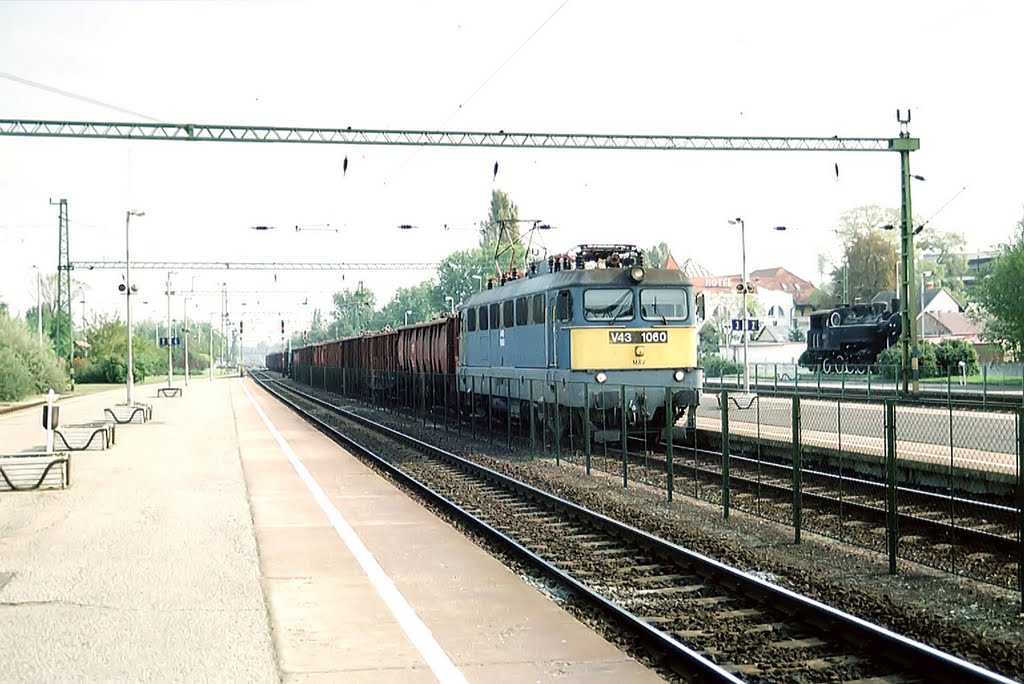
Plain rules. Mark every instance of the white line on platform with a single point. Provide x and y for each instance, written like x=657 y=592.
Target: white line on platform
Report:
x=419 y=634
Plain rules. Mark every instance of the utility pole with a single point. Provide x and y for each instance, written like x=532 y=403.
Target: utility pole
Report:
x=908 y=339
x=63 y=303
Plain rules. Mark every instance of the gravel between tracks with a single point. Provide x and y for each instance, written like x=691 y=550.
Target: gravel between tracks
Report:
x=975 y=621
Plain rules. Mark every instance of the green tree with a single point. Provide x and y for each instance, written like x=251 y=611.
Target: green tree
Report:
x=425 y=301
x=999 y=295
x=352 y=314
x=455 y=273
x=869 y=260
x=656 y=256
x=501 y=223
x=26 y=366
x=941 y=256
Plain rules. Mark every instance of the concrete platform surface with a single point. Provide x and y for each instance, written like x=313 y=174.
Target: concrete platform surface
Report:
x=226 y=542
x=332 y=623
x=146 y=569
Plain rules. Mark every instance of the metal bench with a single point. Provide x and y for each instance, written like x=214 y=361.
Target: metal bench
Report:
x=35 y=470
x=168 y=392
x=122 y=413
x=97 y=435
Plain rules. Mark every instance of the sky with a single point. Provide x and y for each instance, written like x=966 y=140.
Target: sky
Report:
x=562 y=66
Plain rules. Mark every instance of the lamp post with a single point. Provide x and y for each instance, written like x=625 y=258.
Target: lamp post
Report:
x=407 y=314
x=920 y=313
x=39 y=304
x=743 y=286
x=128 y=290
x=170 y=366
x=451 y=302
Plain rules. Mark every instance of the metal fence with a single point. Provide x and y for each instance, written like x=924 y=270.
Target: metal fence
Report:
x=899 y=479
x=995 y=386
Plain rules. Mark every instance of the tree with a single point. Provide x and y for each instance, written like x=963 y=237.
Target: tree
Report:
x=26 y=366
x=656 y=256
x=455 y=272
x=869 y=267
x=501 y=222
x=937 y=253
x=353 y=311
x=999 y=294
x=940 y=254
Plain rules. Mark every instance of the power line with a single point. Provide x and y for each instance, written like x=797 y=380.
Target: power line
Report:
x=75 y=96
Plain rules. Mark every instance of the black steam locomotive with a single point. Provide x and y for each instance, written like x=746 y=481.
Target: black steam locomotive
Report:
x=850 y=337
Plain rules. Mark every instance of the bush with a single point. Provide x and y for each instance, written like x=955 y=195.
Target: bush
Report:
x=26 y=366
x=715 y=366
x=15 y=381
x=110 y=368
x=889 y=362
x=949 y=354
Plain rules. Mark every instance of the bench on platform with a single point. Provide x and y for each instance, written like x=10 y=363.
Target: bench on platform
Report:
x=96 y=435
x=122 y=413
x=35 y=470
x=168 y=392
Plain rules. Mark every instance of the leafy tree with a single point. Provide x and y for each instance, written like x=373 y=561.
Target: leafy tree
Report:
x=950 y=353
x=425 y=301
x=353 y=312
x=455 y=273
x=797 y=335
x=3 y=308
x=941 y=255
x=870 y=262
x=867 y=246
x=1000 y=296
x=501 y=223
x=656 y=256
x=26 y=366
x=108 y=353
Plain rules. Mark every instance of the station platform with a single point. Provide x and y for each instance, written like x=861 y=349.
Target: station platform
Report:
x=227 y=540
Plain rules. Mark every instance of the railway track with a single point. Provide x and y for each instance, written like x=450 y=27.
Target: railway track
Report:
x=974 y=537
x=685 y=611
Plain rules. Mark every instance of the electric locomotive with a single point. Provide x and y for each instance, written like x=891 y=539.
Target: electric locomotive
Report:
x=595 y=333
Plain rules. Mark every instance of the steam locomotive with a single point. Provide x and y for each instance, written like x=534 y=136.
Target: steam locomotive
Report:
x=849 y=338
x=593 y=332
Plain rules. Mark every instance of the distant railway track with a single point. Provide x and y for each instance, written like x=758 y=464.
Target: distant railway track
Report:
x=980 y=536
x=860 y=390
x=687 y=612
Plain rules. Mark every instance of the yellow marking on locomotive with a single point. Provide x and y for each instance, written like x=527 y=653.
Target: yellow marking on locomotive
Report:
x=633 y=348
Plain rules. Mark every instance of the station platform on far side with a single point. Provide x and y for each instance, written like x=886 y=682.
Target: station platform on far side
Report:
x=228 y=540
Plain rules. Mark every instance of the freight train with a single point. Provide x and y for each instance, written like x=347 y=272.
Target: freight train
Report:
x=590 y=336
x=850 y=338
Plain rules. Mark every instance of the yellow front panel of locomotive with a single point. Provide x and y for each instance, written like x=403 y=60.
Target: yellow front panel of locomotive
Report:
x=635 y=348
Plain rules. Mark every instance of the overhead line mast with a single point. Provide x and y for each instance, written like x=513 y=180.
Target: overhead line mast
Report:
x=187 y=132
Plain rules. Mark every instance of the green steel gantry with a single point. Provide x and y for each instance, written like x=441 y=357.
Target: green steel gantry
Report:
x=903 y=144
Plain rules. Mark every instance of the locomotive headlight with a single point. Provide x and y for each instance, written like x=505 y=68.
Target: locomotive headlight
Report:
x=601 y=376
x=679 y=375
x=637 y=274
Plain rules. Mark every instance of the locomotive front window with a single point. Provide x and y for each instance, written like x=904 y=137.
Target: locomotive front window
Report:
x=663 y=305
x=608 y=305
